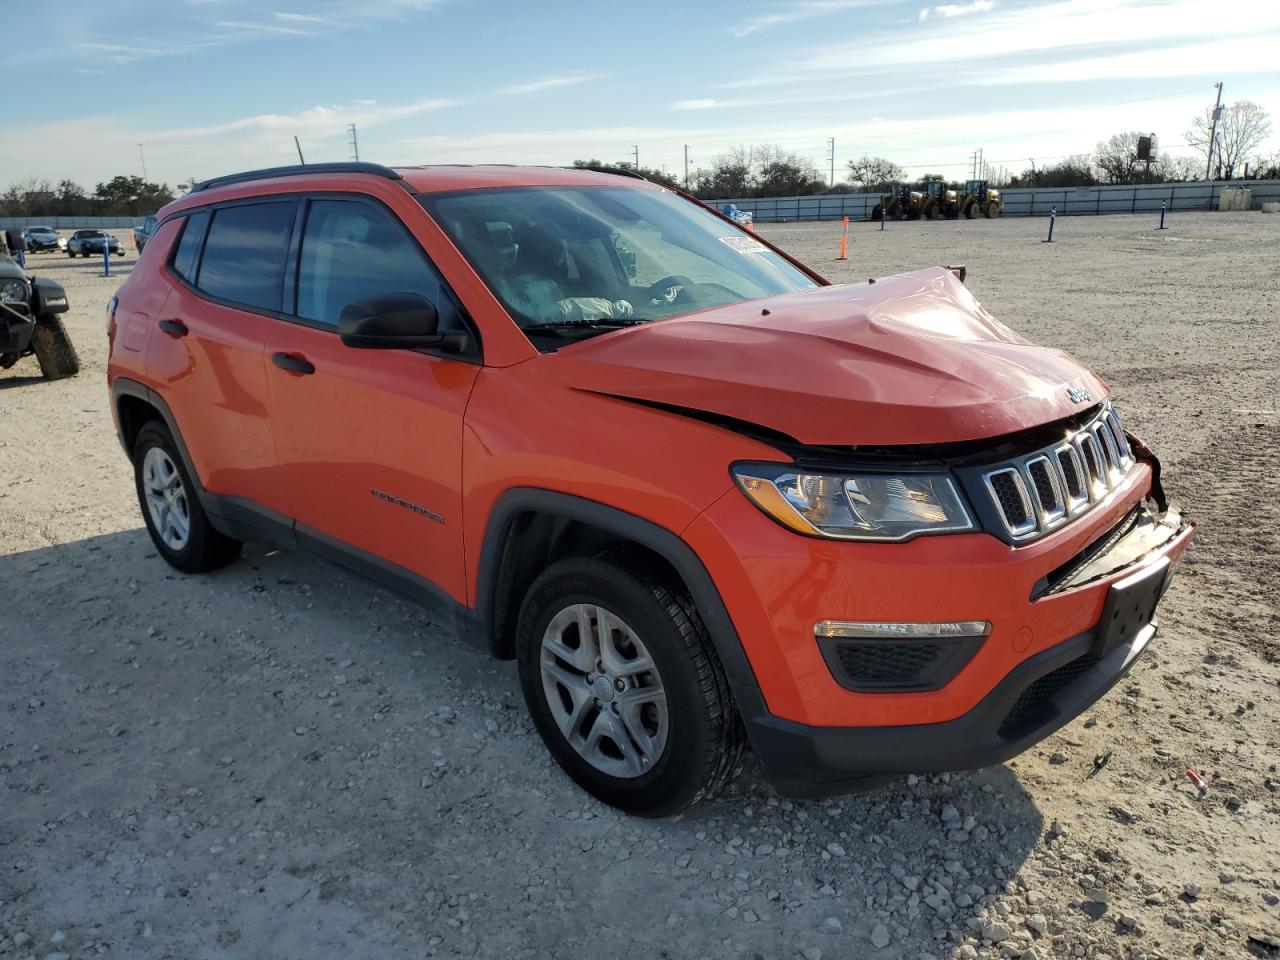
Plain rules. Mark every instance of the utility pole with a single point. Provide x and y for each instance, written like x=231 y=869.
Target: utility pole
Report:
x=143 y=158
x=355 y=144
x=686 y=166
x=299 y=146
x=976 y=156
x=635 y=154
x=1213 y=131
x=831 y=142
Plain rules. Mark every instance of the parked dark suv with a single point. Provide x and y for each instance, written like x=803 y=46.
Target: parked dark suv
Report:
x=700 y=495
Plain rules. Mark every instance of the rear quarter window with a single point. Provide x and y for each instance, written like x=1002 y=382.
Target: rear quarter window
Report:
x=184 y=258
x=244 y=253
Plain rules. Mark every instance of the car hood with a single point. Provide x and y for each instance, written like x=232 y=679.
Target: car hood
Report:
x=909 y=359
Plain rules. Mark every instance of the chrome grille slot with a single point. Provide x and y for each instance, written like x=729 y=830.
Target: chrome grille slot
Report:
x=1095 y=476
x=1122 y=442
x=1072 y=472
x=1041 y=490
x=1051 y=507
x=1107 y=444
x=1010 y=493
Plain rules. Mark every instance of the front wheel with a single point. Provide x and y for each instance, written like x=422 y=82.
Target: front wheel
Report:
x=623 y=685
x=53 y=349
x=992 y=211
x=171 y=507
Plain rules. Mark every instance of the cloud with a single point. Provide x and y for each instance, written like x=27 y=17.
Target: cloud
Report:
x=547 y=83
x=961 y=49
x=797 y=11
x=219 y=23
x=957 y=9
x=705 y=103
x=248 y=27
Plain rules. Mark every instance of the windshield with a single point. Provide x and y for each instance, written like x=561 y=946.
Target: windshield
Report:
x=576 y=261
x=90 y=234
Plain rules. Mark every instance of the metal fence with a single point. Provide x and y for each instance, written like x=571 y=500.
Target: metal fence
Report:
x=1038 y=202
x=71 y=223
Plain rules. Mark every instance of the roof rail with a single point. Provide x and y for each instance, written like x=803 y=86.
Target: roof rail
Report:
x=615 y=171
x=270 y=173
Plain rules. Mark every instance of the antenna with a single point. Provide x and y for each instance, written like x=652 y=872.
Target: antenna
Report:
x=299 y=146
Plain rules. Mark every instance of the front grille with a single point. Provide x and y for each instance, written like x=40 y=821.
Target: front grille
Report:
x=1038 y=491
x=886 y=664
x=1032 y=707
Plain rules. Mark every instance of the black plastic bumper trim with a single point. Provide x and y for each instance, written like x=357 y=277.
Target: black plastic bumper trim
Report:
x=803 y=760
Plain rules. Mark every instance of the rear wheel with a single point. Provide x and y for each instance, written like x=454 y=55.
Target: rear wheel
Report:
x=178 y=525
x=53 y=349
x=931 y=211
x=624 y=687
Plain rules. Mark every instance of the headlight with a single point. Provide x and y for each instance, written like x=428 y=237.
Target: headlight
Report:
x=855 y=506
x=13 y=291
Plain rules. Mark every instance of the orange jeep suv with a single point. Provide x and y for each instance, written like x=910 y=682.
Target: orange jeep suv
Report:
x=701 y=496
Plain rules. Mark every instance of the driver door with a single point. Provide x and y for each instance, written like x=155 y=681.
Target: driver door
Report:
x=369 y=440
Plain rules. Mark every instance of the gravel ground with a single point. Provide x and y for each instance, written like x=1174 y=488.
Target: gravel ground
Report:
x=280 y=761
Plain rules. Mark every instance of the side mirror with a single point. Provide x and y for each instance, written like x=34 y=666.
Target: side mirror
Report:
x=390 y=322
x=16 y=242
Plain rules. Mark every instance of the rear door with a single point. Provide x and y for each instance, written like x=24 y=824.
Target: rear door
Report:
x=370 y=441
x=206 y=355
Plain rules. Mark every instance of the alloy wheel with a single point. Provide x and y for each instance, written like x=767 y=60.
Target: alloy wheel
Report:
x=604 y=690
x=166 y=499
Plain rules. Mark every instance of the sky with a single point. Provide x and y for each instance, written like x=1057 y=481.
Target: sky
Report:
x=213 y=86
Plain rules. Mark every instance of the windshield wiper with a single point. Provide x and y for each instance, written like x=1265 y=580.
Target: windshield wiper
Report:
x=605 y=323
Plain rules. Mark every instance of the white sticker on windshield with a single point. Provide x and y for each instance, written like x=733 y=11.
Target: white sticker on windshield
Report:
x=744 y=244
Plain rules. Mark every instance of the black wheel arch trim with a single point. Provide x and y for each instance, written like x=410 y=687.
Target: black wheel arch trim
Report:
x=702 y=589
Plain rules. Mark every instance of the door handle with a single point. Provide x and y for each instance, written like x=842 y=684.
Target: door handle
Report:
x=175 y=328
x=293 y=363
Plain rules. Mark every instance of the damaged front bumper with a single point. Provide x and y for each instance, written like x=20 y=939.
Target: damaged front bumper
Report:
x=1032 y=701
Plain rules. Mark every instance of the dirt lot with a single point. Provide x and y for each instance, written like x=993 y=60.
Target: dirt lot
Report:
x=279 y=761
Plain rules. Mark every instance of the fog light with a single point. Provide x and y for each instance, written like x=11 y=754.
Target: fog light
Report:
x=877 y=657
x=876 y=630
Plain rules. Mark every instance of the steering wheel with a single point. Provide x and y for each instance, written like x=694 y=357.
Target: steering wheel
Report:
x=661 y=289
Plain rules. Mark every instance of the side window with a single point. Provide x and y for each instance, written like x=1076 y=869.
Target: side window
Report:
x=353 y=250
x=244 y=255
x=184 y=258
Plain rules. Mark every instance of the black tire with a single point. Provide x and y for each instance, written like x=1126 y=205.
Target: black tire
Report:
x=206 y=549
x=71 y=254
x=971 y=210
x=876 y=212
x=53 y=349
x=705 y=738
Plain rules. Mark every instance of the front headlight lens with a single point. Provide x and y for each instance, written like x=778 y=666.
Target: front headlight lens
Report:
x=13 y=291
x=855 y=506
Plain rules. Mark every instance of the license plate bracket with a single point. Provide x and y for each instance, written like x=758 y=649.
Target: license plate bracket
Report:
x=1130 y=606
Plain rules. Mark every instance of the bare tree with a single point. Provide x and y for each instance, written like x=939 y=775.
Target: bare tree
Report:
x=874 y=173
x=1243 y=128
x=1180 y=168
x=1117 y=158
